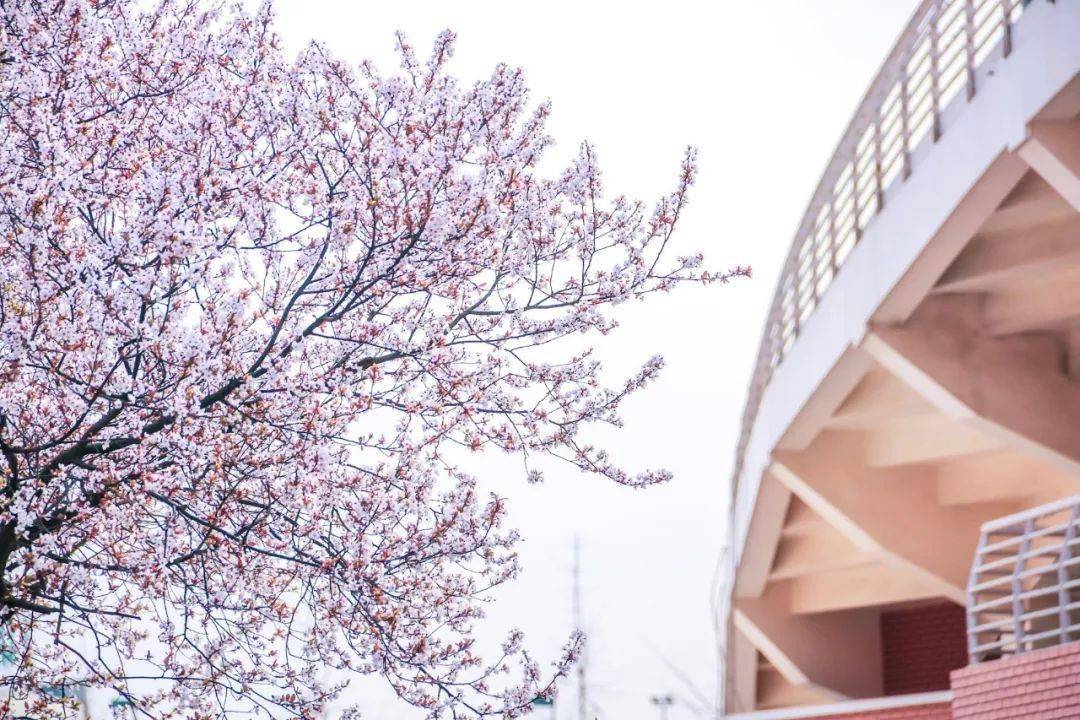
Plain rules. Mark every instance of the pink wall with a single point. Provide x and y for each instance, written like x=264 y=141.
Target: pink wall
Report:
x=1039 y=685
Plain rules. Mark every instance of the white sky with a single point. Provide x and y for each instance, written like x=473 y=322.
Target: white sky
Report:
x=764 y=89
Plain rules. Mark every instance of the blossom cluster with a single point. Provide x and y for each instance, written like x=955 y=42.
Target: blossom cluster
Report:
x=251 y=308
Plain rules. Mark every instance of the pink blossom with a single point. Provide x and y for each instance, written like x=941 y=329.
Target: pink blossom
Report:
x=248 y=306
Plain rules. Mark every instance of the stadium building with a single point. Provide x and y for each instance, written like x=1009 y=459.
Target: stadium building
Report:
x=906 y=510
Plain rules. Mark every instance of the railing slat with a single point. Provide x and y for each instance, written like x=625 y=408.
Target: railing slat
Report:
x=1012 y=599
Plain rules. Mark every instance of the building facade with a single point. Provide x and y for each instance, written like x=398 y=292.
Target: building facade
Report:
x=906 y=504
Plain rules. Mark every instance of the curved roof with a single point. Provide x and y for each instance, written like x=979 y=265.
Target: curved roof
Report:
x=932 y=64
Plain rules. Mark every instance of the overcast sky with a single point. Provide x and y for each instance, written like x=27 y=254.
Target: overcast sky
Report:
x=763 y=88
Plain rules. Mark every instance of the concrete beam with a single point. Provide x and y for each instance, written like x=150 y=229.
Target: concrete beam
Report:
x=992 y=477
x=822 y=550
x=742 y=671
x=1001 y=260
x=776 y=692
x=1012 y=389
x=762 y=537
x=801 y=520
x=838 y=653
x=952 y=237
x=842 y=378
x=922 y=439
x=891 y=513
x=1053 y=151
x=878 y=399
x=859 y=587
x=1051 y=302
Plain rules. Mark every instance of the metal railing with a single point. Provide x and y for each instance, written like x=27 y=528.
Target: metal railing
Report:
x=1024 y=590
x=933 y=63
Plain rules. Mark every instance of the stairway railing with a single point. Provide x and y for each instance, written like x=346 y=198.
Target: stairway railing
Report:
x=1024 y=589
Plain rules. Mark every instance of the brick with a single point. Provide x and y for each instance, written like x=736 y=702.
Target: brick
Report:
x=920 y=646
x=1040 y=685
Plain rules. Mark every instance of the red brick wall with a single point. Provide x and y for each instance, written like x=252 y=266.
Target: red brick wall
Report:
x=919 y=712
x=1039 y=685
x=921 y=646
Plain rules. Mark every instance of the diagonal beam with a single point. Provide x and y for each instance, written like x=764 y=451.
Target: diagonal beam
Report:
x=1051 y=302
x=891 y=514
x=773 y=652
x=878 y=398
x=786 y=468
x=1012 y=389
x=1053 y=151
x=989 y=477
x=823 y=550
x=995 y=261
x=796 y=645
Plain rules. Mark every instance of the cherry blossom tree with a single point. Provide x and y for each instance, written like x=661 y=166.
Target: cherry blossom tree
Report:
x=255 y=310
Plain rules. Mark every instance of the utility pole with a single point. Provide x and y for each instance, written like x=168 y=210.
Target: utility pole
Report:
x=663 y=703
x=582 y=696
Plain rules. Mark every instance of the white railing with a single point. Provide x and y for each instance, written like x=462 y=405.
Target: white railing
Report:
x=933 y=63
x=1024 y=591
